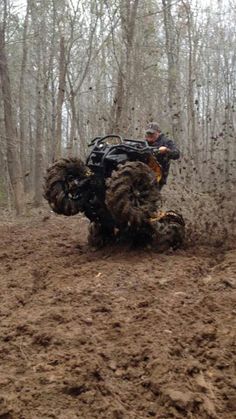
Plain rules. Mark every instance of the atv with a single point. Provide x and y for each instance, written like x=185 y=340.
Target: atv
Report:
x=117 y=189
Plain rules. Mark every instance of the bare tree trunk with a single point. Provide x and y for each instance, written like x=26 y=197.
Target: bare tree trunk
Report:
x=120 y=113
x=172 y=56
x=38 y=172
x=72 y=135
x=118 y=103
x=24 y=154
x=50 y=146
x=31 y=154
x=191 y=110
x=53 y=119
x=129 y=25
x=60 y=98
x=13 y=155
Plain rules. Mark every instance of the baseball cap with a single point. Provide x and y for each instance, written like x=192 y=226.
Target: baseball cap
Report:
x=152 y=127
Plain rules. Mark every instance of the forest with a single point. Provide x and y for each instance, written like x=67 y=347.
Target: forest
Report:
x=74 y=70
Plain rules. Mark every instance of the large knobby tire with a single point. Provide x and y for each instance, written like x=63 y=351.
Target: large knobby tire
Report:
x=99 y=235
x=132 y=194
x=169 y=231
x=60 y=181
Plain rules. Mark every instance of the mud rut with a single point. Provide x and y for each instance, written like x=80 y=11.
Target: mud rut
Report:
x=113 y=333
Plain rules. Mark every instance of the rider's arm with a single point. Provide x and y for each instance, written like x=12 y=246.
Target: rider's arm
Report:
x=173 y=152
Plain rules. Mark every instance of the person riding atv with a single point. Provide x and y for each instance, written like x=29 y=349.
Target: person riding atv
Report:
x=117 y=189
x=167 y=149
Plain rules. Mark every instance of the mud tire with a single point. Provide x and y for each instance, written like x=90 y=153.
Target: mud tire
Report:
x=56 y=186
x=170 y=232
x=98 y=236
x=132 y=194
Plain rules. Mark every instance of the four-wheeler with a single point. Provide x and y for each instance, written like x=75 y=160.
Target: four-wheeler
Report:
x=117 y=189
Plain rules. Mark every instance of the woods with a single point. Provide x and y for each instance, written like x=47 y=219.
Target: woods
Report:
x=73 y=70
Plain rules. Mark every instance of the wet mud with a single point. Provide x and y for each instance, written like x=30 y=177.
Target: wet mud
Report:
x=113 y=333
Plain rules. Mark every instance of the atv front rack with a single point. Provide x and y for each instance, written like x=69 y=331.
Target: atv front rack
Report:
x=105 y=156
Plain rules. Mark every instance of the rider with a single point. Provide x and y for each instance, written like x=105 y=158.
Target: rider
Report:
x=167 y=149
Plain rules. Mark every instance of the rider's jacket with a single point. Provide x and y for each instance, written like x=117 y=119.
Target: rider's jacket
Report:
x=164 y=159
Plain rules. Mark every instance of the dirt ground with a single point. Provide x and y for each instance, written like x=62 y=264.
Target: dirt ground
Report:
x=115 y=333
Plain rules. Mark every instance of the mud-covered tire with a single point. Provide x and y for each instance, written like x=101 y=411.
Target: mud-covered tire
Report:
x=171 y=234
x=57 y=187
x=132 y=193
x=170 y=231
x=98 y=236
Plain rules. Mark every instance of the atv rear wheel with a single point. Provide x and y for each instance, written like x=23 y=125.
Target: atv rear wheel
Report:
x=169 y=231
x=132 y=194
x=99 y=235
x=61 y=183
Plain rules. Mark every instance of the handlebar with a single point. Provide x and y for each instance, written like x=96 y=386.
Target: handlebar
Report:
x=93 y=141
x=100 y=140
x=145 y=146
x=141 y=142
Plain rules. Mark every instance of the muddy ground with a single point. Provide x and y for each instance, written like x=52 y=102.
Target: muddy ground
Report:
x=115 y=333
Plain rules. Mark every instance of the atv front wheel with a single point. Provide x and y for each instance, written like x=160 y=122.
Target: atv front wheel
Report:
x=61 y=184
x=132 y=194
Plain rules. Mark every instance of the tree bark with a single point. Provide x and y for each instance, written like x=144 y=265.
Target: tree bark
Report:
x=24 y=154
x=72 y=134
x=120 y=113
x=60 y=99
x=38 y=172
x=13 y=155
x=171 y=50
